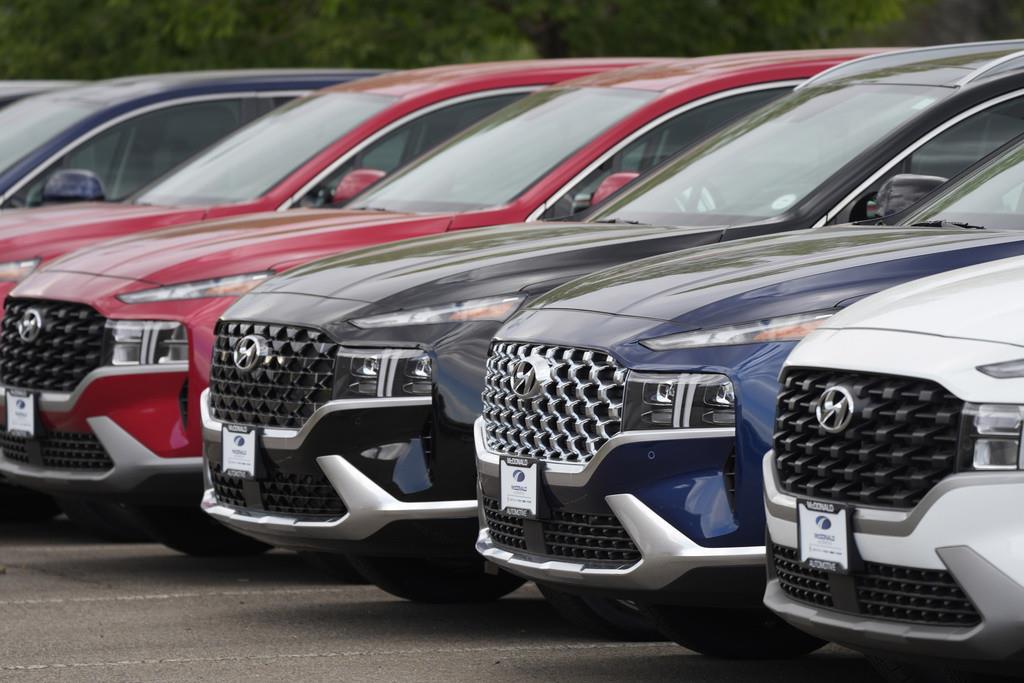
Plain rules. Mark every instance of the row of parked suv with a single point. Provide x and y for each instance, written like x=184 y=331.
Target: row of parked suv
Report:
x=604 y=392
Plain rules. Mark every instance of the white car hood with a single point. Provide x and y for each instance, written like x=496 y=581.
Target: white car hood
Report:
x=983 y=302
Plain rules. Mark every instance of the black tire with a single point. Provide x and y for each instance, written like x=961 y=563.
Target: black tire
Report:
x=191 y=531
x=900 y=671
x=732 y=633
x=19 y=504
x=109 y=521
x=436 y=581
x=334 y=565
x=612 y=619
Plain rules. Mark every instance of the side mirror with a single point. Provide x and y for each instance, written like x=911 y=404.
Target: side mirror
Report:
x=611 y=185
x=355 y=182
x=903 y=190
x=73 y=185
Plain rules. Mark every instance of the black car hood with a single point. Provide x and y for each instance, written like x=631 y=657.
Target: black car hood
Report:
x=763 y=277
x=479 y=262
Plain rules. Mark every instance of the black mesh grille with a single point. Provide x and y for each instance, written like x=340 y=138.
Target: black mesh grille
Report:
x=573 y=535
x=296 y=379
x=283 y=493
x=882 y=591
x=59 y=450
x=69 y=345
x=901 y=441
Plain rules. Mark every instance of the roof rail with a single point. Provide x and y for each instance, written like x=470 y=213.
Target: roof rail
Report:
x=995 y=66
x=855 y=66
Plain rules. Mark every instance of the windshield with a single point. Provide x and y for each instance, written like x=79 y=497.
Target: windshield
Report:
x=499 y=159
x=765 y=165
x=992 y=197
x=253 y=160
x=30 y=123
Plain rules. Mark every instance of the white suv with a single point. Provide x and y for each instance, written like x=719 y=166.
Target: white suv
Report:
x=895 y=489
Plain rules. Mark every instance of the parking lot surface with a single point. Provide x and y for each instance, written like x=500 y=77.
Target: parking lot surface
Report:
x=72 y=608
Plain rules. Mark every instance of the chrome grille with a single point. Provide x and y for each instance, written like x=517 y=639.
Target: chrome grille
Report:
x=572 y=417
x=58 y=450
x=69 y=345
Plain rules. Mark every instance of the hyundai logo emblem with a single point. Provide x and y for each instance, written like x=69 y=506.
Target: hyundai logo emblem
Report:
x=835 y=409
x=239 y=441
x=30 y=325
x=249 y=351
x=519 y=476
x=823 y=523
x=529 y=375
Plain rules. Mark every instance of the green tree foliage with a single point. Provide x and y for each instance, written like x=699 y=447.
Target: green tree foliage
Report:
x=100 y=38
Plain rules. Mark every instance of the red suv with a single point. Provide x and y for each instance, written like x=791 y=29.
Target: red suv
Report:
x=316 y=151
x=109 y=349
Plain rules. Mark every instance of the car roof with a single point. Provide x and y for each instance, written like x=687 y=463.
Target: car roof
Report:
x=939 y=65
x=677 y=74
x=20 y=88
x=416 y=81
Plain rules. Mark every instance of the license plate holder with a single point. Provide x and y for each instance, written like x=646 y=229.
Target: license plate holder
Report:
x=825 y=536
x=520 y=487
x=239 y=450
x=21 y=413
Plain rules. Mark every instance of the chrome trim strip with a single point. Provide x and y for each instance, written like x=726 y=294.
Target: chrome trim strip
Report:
x=995 y=64
x=411 y=116
x=63 y=402
x=369 y=509
x=292 y=439
x=920 y=142
x=578 y=475
x=667 y=554
x=71 y=146
x=561 y=192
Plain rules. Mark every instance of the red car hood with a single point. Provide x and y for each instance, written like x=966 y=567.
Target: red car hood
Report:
x=244 y=244
x=50 y=231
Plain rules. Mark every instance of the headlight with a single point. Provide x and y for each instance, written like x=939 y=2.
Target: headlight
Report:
x=1011 y=369
x=662 y=401
x=233 y=285
x=147 y=342
x=785 y=328
x=496 y=308
x=367 y=373
x=991 y=436
x=16 y=271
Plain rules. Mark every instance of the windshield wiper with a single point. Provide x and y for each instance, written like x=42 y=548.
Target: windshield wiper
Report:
x=620 y=221
x=940 y=223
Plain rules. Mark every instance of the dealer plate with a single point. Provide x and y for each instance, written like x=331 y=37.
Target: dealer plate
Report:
x=519 y=487
x=824 y=533
x=21 y=413
x=238 y=450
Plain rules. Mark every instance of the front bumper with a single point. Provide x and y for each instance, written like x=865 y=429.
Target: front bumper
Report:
x=672 y=566
x=968 y=526
x=375 y=518
x=127 y=411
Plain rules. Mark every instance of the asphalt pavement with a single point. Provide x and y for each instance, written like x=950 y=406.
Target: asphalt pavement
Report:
x=72 y=608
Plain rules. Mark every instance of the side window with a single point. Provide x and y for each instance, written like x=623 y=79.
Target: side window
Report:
x=949 y=153
x=657 y=145
x=407 y=142
x=136 y=152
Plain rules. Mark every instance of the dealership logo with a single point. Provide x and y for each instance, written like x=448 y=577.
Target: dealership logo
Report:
x=249 y=351
x=519 y=476
x=835 y=409
x=30 y=325
x=239 y=441
x=824 y=523
x=529 y=376
x=21 y=404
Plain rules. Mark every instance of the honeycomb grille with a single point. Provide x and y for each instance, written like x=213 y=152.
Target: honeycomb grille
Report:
x=901 y=441
x=802 y=583
x=283 y=392
x=572 y=417
x=69 y=345
x=59 y=450
x=303 y=495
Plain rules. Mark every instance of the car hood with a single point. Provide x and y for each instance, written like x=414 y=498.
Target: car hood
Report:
x=52 y=230
x=970 y=303
x=764 y=277
x=462 y=265
x=243 y=244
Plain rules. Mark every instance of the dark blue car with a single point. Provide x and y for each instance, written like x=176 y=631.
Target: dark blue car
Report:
x=669 y=369
x=130 y=131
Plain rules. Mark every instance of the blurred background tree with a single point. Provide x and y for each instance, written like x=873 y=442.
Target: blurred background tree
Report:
x=99 y=38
